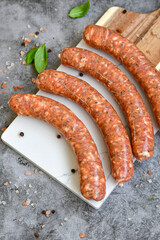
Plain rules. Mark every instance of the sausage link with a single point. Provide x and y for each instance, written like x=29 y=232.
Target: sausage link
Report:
x=101 y=111
x=92 y=178
x=124 y=92
x=126 y=52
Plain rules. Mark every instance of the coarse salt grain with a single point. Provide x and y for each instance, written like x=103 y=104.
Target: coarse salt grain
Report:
x=17 y=191
x=20 y=219
x=43 y=226
x=65 y=219
x=22 y=53
x=28 y=26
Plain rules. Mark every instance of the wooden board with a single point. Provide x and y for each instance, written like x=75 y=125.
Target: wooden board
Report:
x=55 y=156
x=141 y=29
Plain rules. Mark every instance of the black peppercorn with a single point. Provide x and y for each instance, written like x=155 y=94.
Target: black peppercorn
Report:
x=124 y=11
x=73 y=170
x=81 y=74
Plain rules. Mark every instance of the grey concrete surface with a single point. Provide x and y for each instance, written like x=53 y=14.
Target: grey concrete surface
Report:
x=122 y=217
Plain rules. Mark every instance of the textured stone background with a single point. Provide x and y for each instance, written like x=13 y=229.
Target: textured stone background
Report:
x=122 y=216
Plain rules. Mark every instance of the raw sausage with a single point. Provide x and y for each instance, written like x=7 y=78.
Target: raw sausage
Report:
x=124 y=92
x=127 y=53
x=92 y=179
x=101 y=111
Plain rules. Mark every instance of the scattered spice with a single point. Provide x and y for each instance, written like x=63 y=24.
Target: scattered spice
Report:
x=119 y=30
x=15 y=89
x=42 y=30
x=35 y=36
x=24 y=62
x=4 y=71
x=26 y=203
x=159 y=162
x=53 y=211
x=81 y=74
x=37 y=33
x=0 y=69
x=43 y=212
x=36 y=235
x=3 y=85
x=143 y=207
x=27 y=173
x=31 y=34
x=4 y=92
x=48 y=213
x=5 y=184
x=149 y=180
x=137 y=35
x=58 y=136
x=149 y=52
x=49 y=50
x=145 y=172
x=3 y=129
x=21 y=134
x=149 y=172
x=124 y=11
x=82 y=235
x=20 y=87
x=35 y=171
x=27 y=40
x=33 y=47
x=73 y=170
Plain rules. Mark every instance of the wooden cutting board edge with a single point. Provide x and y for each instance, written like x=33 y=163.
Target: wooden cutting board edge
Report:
x=112 y=12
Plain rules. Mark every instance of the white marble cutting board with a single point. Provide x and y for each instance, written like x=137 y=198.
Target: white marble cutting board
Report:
x=54 y=156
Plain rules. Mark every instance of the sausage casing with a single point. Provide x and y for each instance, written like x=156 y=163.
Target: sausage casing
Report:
x=92 y=178
x=101 y=111
x=126 y=52
x=124 y=92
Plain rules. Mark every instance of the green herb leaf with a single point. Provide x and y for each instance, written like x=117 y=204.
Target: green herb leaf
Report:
x=80 y=11
x=30 y=56
x=150 y=199
x=40 y=58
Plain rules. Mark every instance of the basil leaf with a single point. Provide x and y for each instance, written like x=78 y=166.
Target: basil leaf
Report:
x=80 y=11
x=40 y=58
x=30 y=56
